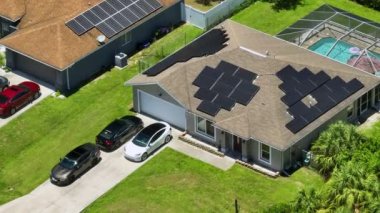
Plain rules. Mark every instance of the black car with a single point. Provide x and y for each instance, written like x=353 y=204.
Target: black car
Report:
x=75 y=163
x=4 y=83
x=118 y=132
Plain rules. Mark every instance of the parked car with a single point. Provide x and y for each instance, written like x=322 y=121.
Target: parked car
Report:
x=74 y=164
x=16 y=96
x=147 y=140
x=4 y=83
x=118 y=132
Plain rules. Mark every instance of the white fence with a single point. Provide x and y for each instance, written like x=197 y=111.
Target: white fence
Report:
x=217 y=14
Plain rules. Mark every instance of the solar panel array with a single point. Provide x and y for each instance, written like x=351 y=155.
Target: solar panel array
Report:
x=223 y=87
x=326 y=91
x=214 y=40
x=112 y=16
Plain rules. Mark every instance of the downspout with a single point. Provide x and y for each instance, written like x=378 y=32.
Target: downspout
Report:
x=68 y=78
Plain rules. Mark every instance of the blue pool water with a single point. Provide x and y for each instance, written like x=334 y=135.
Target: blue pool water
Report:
x=339 y=53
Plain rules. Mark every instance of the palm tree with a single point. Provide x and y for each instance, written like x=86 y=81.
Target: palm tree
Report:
x=353 y=186
x=307 y=201
x=334 y=146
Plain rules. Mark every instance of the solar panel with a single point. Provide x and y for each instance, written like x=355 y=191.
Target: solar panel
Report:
x=112 y=16
x=242 y=97
x=225 y=102
x=145 y=6
x=208 y=108
x=319 y=78
x=222 y=88
x=226 y=67
x=94 y=19
x=106 y=7
x=76 y=27
x=106 y=29
x=205 y=94
x=245 y=74
x=230 y=80
x=328 y=95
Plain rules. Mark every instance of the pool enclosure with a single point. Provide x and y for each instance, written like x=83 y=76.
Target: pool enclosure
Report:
x=339 y=35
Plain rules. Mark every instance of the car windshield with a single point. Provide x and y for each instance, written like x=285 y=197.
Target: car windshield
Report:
x=68 y=163
x=3 y=99
x=141 y=139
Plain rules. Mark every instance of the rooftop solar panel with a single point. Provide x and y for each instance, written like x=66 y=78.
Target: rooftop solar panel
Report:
x=227 y=67
x=221 y=87
x=208 y=108
x=205 y=94
x=225 y=102
x=116 y=14
x=245 y=74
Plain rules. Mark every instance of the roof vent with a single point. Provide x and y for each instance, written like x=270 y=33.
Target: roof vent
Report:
x=101 y=39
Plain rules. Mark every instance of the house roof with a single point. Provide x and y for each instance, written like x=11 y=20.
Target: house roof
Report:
x=265 y=117
x=43 y=35
x=12 y=10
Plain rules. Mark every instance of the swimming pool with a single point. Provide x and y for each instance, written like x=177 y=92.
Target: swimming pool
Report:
x=340 y=52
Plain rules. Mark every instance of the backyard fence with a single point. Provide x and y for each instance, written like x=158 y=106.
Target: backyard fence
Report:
x=212 y=17
x=150 y=58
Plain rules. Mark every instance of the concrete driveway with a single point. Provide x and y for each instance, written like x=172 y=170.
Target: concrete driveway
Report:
x=112 y=169
x=47 y=197
x=16 y=78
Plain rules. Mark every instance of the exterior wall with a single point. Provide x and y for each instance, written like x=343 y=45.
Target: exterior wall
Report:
x=31 y=67
x=253 y=155
x=191 y=129
x=6 y=27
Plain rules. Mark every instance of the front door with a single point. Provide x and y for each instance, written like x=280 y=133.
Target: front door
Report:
x=237 y=143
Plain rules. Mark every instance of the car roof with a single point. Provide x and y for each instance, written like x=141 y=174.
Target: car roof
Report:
x=115 y=125
x=11 y=91
x=131 y=118
x=80 y=150
x=153 y=128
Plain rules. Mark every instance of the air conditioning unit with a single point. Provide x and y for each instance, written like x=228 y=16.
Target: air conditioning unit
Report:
x=121 y=60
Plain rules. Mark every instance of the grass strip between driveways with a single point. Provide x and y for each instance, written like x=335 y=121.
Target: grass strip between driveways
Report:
x=261 y=15
x=173 y=182
x=33 y=142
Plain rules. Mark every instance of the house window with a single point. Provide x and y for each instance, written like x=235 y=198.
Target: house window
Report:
x=364 y=103
x=205 y=127
x=377 y=94
x=4 y=27
x=265 y=153
x=127 y=38
x=350 y=111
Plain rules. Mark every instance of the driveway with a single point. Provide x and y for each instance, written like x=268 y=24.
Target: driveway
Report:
x=112 y=169
x=15 y=78
x=47 y=197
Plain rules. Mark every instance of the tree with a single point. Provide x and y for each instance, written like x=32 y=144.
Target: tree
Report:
x=354 y=186
x=307 y=201
x=334 y=146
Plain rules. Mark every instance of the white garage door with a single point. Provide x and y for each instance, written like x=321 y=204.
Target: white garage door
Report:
x=161 y=109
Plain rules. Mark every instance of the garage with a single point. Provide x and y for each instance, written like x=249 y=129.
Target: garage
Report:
x=162 y=110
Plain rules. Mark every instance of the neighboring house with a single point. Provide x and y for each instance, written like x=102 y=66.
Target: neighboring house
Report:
x=259 y=98
x=11 y=11
x=57 y=40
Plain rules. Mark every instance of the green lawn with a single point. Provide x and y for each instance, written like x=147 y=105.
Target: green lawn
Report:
x=173 y=182
x=32 y=143
x=261 y=16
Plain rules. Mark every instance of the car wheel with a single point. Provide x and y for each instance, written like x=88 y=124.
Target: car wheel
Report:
x=144 y=156
x=168 y=138
x=94 y=162
x=13 y=111
x=36 y=95
x=71 y=179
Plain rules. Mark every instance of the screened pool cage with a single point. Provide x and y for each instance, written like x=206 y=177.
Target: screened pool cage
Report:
x=339 y=35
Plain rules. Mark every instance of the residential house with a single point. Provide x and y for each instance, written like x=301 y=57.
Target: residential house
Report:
x=255 y=97
x=66 y=43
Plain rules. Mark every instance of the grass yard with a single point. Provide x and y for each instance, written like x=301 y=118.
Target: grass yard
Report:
x=262 y=17
x=184 y=184
x=201 y=7
x=32 y=143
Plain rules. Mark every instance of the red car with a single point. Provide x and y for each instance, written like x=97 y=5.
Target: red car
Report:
x=16 y=96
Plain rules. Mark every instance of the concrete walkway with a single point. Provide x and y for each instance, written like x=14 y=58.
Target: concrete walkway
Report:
x=223 y=163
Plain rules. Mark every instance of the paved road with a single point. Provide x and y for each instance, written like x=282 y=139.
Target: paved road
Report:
x=16 y=78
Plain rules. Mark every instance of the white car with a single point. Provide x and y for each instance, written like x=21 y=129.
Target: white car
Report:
x=147 y=141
